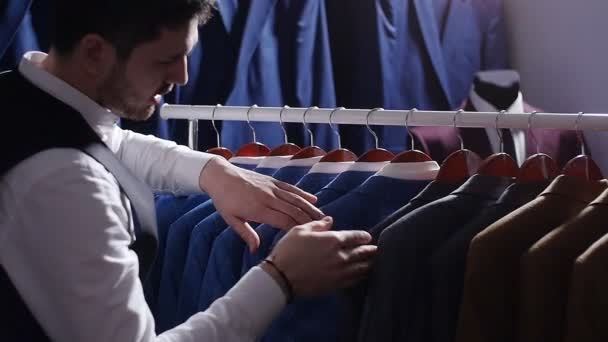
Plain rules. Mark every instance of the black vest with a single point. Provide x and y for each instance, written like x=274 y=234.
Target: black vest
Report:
x=41 y=122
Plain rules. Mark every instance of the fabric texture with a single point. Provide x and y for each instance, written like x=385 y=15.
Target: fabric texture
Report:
x=492 y=289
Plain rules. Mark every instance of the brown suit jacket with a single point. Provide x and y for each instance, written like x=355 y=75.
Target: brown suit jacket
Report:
x=547 y=268
x=491 y=292
x=587 y=319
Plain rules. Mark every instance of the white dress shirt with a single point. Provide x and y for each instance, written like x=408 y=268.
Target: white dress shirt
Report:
x=65 y=231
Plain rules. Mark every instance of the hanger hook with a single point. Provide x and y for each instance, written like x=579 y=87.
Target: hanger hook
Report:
x=217 y=133
x=312 y=137
x=282 y=125
x=455 y=118
x=249 y=123
x=499 y=132
x=579 y=134
x=335 y=130
x=407 y=127
x=369 y=128
x=532 y=136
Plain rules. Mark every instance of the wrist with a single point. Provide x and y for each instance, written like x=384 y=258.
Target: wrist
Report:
x=279 y=277
x=210 y=171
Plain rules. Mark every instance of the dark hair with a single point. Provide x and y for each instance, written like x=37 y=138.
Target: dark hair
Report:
x=124 y=23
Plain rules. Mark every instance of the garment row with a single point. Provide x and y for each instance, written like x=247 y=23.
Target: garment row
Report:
x=488 y=259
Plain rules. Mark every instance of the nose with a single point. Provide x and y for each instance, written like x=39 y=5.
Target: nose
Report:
x=178 y=72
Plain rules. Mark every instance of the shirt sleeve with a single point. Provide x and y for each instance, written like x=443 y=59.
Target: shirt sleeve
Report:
x=65 y=246
x=162 y=164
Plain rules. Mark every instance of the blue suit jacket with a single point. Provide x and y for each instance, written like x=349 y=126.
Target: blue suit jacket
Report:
x=196 y=208
x=213 y=265
x=283 y=59
x=311 y=183
x=17 y=34
x=316 y=319
x=418 y=53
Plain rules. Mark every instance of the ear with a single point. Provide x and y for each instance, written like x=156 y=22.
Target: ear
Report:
x=97 y=56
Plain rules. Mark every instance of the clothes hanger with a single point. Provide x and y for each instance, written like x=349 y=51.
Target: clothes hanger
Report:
x=538 y=167
x=340 y=154
x=412 y=155
x=582 y=166
x=287 y=149
x=254 y=149
x=312 y=150
x=499 y=164
x=460 y=165
x=377 y=154
x=219 y=150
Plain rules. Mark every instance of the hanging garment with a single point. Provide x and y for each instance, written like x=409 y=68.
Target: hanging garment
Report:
x=178 y=239
x=319 y=176
x=17 y=35
x=66 y=128
x=398 y=299
x=223 y=268
x=587 y=296
x=341 y=185
x=284 y=59
x=316 y=319
x=410 y=54
x=547 y=270
x=434 y=191
x=189 y=293
x=448 y=262
x=492 y=281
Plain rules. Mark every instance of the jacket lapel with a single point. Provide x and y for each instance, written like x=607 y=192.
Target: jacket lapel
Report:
x=430 y=33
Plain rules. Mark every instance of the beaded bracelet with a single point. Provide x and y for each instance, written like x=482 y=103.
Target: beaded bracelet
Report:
x=284 y=277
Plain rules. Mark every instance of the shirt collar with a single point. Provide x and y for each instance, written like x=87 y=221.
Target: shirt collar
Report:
x=95 y=115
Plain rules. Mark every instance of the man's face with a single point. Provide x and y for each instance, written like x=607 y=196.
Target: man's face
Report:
x=134 y=86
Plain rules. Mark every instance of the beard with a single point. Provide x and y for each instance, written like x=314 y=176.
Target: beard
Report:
x=119 y=95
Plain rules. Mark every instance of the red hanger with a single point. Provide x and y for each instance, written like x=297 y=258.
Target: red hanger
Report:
x=538 y=167
x=377 y=154
x=219 y=150
x=459 y=165
x=499 y=164
x=413 y=155
x=582 y=166
x=312 y=150
x=287 y=149
x=340 y=154
x=254 y=149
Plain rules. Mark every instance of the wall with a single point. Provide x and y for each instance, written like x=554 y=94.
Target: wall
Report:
x=560 y=48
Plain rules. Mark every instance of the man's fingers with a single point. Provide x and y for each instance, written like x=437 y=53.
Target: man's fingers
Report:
x=296 y=207
x=361 y=253
x=322 y=225
x=295 y=190
x=353 y=238
x=356 y=270
x=276 y=219
x=245 y=231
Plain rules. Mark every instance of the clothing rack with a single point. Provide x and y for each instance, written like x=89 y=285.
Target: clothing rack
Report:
x=563 y=121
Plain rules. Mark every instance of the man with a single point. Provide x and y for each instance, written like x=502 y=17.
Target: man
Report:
x=68 y=218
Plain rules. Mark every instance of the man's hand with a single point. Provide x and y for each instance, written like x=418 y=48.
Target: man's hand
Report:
x=316 y=261
x=240 y=195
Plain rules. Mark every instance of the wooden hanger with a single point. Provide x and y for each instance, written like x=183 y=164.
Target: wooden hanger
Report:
x=254 y=149
x=412 y=155
x=219 y=150
x=312 y=150
x=538 y=167
x=582 y=166
x=499 y=164
x=377 y=154
x=340 y=154
x=287 y=149
x=459 y=165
